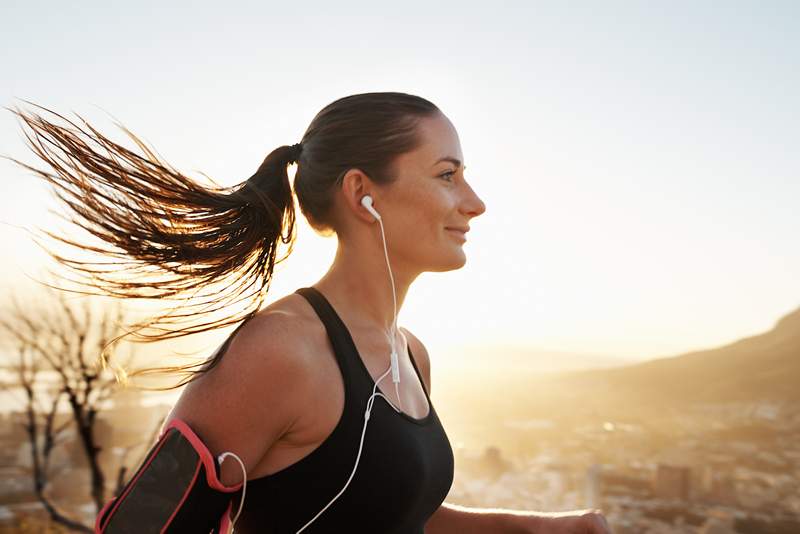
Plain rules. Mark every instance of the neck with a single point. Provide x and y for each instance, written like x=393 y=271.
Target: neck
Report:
x=359 y=285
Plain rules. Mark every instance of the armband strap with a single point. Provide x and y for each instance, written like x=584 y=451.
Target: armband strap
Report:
x=176 y=489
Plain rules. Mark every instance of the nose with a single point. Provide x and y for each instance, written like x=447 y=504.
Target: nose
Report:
x=472 y=205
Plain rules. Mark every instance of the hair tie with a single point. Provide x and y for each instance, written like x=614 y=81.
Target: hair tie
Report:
x=294 y=152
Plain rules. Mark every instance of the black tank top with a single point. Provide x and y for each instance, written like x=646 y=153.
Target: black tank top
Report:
x=404 y=473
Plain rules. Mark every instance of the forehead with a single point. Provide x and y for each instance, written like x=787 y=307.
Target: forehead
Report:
x=438 y=139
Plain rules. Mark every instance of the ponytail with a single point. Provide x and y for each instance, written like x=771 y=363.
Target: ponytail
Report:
x=187 y=234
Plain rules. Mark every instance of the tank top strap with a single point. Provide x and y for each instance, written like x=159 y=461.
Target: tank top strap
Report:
x=358 y=381
x=337 y=332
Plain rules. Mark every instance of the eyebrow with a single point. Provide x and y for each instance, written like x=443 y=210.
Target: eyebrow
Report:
x=454 y=161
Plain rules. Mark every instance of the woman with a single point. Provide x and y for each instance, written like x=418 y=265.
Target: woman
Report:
x=294 y=391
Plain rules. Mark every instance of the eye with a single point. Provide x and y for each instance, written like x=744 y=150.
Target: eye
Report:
x=447 y=173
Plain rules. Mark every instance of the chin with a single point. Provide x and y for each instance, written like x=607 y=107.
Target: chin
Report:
x=453 y=263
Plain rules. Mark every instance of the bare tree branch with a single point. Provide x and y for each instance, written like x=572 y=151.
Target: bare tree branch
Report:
x=63 y=342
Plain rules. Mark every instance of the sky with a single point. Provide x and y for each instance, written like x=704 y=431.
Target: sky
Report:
x=639 y=162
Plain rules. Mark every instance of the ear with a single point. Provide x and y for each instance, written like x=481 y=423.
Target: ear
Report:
x=356 y=184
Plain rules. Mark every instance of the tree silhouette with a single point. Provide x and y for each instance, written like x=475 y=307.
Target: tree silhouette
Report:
x=57 y=364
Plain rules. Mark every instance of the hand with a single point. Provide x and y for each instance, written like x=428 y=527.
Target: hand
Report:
x=588 y=521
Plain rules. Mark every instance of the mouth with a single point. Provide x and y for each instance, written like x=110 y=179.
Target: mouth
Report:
x=461 y=232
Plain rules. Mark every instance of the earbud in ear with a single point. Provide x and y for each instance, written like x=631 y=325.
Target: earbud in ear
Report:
x=366 y=201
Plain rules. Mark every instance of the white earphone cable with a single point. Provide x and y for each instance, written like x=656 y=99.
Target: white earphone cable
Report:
x=393 y=367
x=220 y=459
x=394 y=357
x=370 y=401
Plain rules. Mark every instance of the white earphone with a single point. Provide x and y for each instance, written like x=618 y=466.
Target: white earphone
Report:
x=366 y=201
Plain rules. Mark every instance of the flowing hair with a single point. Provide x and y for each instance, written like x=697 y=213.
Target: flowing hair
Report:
x=161 y=222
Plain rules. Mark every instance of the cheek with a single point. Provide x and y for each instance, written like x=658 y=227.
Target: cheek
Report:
x=416 y=204
x=429 y=215
x=422 y=214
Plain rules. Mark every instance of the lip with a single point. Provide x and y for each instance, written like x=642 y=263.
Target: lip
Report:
x=459 y=232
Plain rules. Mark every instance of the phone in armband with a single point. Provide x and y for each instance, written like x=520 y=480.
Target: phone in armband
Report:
x=176 y=489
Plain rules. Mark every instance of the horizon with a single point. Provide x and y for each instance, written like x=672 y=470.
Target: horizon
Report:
x=464 y=361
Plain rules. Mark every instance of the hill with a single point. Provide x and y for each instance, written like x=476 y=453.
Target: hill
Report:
x=760 y=367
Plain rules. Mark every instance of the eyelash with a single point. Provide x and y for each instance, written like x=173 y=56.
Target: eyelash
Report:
x=451 y=173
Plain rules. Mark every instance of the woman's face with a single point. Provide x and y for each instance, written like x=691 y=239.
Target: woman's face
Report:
x=424 y=209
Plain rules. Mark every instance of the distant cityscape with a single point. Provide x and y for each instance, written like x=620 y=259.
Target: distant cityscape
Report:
x=747 y=483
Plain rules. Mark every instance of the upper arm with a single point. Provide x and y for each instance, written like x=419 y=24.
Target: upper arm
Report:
x=420 y=357
x=251 y=397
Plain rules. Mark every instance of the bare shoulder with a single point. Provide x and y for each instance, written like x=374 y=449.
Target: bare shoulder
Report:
x=254 y=394
x=420 y=353
x=273 y=341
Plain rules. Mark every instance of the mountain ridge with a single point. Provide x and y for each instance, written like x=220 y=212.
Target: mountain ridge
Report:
x=763 y=366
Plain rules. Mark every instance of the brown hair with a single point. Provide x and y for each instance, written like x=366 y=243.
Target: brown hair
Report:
x=195 y=235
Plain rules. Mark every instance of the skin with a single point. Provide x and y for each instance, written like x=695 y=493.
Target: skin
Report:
x=416 y=209
x=223 y=405
x=587 y=521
